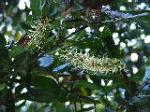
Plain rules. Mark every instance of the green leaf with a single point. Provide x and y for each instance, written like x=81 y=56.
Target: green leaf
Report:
x=45 y=83
x=21 y=63
x=85 y=84
x=5 y=63
x=60 y=107
x=44 y=95
x=106 y=32
x=48 y=84
x=2 y=41
x=2 y=86
x=36 y=7
x=16 y=51
x=49 y=8
x=39 y=95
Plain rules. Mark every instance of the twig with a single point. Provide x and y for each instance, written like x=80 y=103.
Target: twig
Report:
x=145 y=83
x=119 y=16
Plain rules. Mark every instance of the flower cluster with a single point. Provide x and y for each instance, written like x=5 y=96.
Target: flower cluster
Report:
x=92 y=63
x=38 y=33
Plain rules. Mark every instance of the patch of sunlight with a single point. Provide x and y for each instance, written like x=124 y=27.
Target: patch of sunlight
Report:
x=141 y=6
x=101 y=29
x=129 y=0
x=133 y=26
x=24 y=90
x=142 y=36
x=122 y=8
x=88 y=29
x=70 y=31
x=122 y=45
x=132 y=42
x=135 y=69
x=115 y=38
x=134 y=57
x=23 y=3
x=147 y=39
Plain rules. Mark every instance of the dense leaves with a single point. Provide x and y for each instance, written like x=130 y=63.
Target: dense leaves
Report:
x=72 y=55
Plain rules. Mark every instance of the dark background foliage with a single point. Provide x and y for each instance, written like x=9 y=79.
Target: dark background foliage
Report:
x=34 y=79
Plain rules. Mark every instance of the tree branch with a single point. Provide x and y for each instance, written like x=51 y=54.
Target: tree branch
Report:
x=119 y=16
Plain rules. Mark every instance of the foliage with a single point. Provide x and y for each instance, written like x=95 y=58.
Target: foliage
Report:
x=64 y=56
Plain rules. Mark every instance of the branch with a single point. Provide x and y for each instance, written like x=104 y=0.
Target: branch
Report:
x=144 y=84
x=118 y=16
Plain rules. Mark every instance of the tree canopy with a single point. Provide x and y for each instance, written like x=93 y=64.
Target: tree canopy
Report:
x=74 y=56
